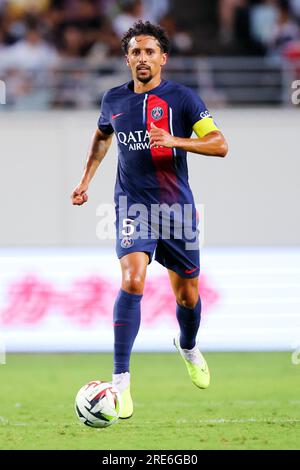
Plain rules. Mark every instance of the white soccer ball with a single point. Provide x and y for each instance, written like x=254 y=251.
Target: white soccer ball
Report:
x=98 y=404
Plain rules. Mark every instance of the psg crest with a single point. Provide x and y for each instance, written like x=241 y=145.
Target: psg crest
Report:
x=157 y=113
x=126 y=242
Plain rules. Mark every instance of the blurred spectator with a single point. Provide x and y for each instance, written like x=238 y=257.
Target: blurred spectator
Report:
x=54 y=20
x=26 y=68
x=6 y=38
x=259 y=26
x=263 y=17
x=85 y=21
x=295 y=8
x=181 y=41
x=152 y=10
x=155 y=10
x=235 y=28
x=72 y=43
x=107 y=44
x=32 y=52
x=244 y=42
x=226 y=12
x=285 y=30
x=131 y=12
x=86 y=17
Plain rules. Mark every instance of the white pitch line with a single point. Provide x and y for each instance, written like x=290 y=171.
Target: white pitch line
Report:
x=241 y=421
x=189 y=422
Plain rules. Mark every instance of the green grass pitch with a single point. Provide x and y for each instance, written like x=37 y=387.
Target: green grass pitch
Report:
x=253 y=403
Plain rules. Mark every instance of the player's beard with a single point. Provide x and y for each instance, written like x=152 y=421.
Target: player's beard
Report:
x=145 y=79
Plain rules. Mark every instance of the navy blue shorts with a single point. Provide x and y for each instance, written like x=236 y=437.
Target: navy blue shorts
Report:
x=177 y=250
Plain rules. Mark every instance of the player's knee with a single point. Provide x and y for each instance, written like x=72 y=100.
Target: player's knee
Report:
x=187 y=297
x=133 y=284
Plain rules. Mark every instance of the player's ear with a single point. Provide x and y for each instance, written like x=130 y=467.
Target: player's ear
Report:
x=126 y=60
x=164 y=59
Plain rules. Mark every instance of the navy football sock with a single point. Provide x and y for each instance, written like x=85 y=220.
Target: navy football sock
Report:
x=189 y=321
x=127 y=318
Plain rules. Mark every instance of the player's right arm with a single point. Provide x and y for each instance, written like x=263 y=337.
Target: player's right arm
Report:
x=98 y=149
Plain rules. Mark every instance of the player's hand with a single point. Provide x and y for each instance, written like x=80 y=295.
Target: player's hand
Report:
x=79 y=195
x=160 y=137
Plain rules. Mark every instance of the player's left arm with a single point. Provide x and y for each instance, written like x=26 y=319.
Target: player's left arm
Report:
x=210 y=141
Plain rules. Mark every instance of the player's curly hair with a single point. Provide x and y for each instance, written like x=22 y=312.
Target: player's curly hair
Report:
x=148 y=29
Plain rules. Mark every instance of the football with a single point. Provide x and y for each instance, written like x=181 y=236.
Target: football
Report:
x=98 y=404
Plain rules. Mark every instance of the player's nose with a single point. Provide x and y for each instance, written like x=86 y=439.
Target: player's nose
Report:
x=142 y=58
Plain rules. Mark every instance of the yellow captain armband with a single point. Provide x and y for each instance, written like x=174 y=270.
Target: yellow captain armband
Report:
x=204 y=126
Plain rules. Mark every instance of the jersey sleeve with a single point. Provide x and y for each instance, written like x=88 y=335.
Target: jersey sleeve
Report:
x=197 y=116
x=104 y=119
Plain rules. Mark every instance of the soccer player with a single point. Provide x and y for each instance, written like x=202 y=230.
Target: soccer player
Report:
x=153 y=120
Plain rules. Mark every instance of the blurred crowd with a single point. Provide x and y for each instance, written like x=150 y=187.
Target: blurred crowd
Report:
x=39 y=37
x=259 y=27
x=38 y=32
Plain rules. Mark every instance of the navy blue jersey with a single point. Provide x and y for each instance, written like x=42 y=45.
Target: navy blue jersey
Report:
x=156 y=175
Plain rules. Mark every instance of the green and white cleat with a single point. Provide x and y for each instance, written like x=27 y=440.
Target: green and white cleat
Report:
x=122 y=383
x=196 y=365
x=127 y=404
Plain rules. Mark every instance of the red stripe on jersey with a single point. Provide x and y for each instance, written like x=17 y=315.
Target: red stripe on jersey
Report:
x=158 y=114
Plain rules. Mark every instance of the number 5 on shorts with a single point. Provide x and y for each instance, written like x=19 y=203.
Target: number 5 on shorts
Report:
x=128 y=227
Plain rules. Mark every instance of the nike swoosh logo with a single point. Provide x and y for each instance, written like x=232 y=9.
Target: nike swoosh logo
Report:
x=190 y=271
x=114 y=116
